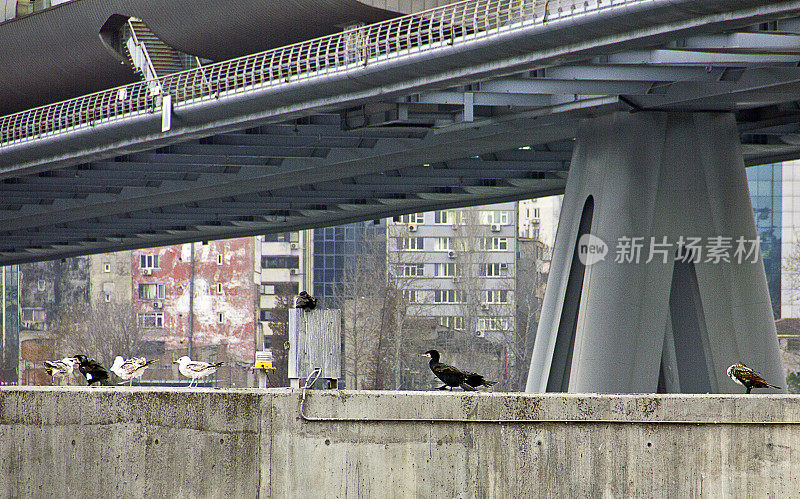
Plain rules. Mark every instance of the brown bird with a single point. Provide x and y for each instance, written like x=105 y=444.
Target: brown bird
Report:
x=748 y=378
x=453 y=377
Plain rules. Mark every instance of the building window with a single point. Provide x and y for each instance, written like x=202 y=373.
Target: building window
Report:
x=445 y=270
x=218 y=288
x=442 y=217
x=536 y=213
x=494 y=244
x=33 y=315
x=411 y=243
x=107 y=268
x=280 y=262
x=267 y=289
x=41 y=285
x=107 y=297
x=151 y=291
x=220 y=317
x=219 y=259
x=494 y=217
x=493 y=323
x=411 y=270
x=494 y=269
x=149 y=262
x=412 y=295
x=151 y=320
x=448 y=296
x=495 y=296
x=442 y=243
x=414 y=218
x=452 y=321
x=265 y=315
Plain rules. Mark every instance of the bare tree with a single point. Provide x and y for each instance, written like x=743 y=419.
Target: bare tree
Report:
x=279 y=324
x=100 y=331
x=363 y=302
x=532 y=270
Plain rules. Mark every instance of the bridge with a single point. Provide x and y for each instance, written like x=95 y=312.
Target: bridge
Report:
x=471 y=103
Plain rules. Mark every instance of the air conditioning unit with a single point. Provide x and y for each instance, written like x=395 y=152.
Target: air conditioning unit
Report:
x=294 y=271
x=451 y=254
x=294 y=245
x=481 y=334
x=158 y=304
x=495 y=227
x=484 y=306
x=147 y=271
x=412 y=228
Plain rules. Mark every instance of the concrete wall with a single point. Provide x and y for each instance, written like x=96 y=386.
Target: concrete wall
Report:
x=109 y=442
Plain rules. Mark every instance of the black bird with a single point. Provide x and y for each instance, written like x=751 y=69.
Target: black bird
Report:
x=92 y=370
x=453 y=377
x=305 y=301
x=748 y=378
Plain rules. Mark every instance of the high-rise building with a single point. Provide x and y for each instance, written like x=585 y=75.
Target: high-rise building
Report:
x=334 y=249
x=538 y=219
x=765 y=183
x=200 y=299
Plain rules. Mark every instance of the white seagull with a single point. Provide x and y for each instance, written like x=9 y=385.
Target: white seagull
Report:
x=60 y=368
x=131 y=368
x=196 y=369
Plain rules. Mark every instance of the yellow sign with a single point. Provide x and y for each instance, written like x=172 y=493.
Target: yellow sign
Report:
x=263 y=365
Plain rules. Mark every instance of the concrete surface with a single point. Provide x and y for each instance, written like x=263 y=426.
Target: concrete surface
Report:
x=145 y=442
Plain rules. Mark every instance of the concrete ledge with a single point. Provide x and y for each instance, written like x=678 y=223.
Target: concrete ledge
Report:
x=154 y=442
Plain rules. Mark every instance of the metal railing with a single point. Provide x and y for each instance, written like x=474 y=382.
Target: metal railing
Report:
x=449 y=25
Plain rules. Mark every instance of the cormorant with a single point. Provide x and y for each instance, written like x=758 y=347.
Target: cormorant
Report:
x=452 y=377
x=131 y=368
x=196 y=369
x=92 y=370
x=748 y=378
x=305 y=301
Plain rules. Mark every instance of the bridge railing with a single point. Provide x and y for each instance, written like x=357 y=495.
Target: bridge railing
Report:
x=443 y=26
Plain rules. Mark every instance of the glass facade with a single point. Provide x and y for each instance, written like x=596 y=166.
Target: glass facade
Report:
x=333 y=247
x=764 y=182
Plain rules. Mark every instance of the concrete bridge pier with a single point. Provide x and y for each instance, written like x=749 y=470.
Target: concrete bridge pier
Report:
x=656 y=282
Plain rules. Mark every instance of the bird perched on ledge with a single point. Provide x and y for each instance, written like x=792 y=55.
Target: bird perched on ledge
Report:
x=196 y=369
x=305 y=301
x=748 y=378
x=131 y=368
x=453 y=377
x=60 y=368
x=92 y=370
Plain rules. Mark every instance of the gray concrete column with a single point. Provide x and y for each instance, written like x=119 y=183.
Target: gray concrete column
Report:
x=624 y=324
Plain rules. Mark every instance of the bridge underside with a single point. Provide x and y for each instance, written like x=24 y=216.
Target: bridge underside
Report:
x=373 y=141
x=656 y=100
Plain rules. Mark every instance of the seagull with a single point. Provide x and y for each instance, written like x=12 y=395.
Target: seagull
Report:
x=196 y=369
x=305 y=301
x=92 y=370
x=748 y=378
x=131 y=368
x=60 y=368
x=453 y=377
